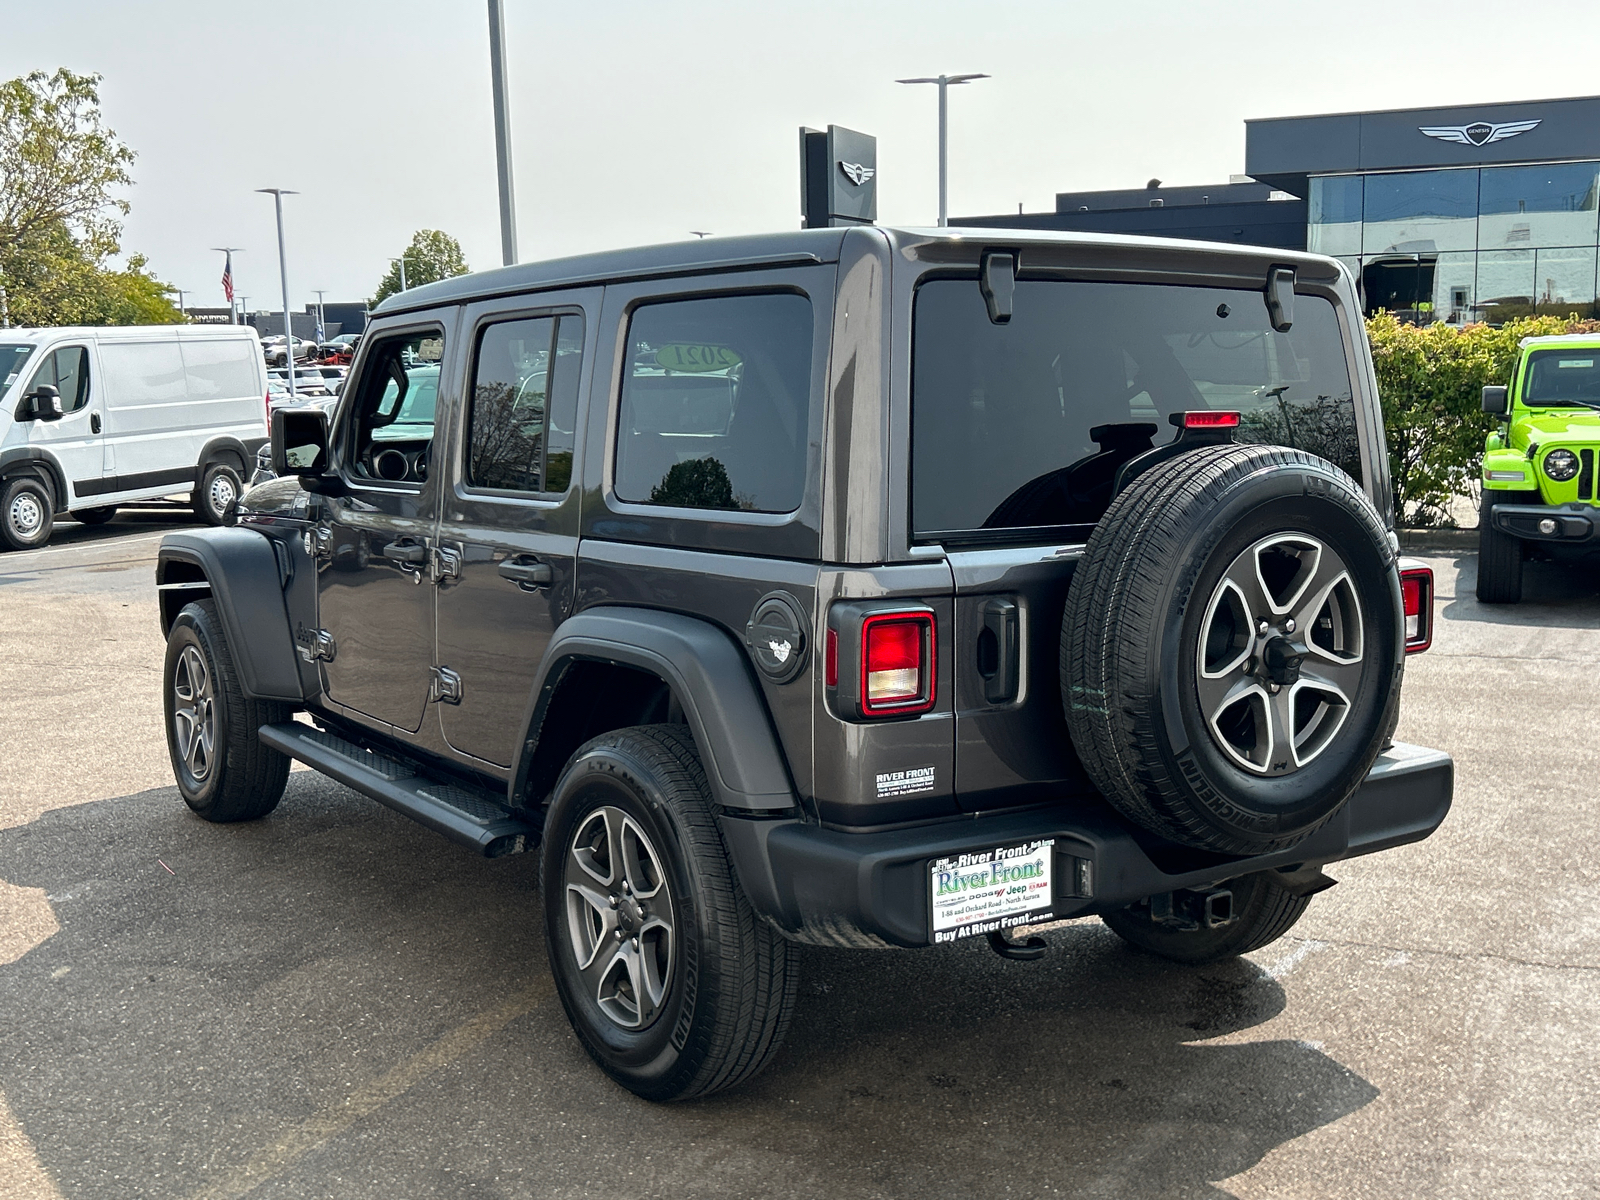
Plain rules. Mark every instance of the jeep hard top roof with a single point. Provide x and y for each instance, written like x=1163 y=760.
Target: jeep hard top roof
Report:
x=1560 y=341
x=802 y=246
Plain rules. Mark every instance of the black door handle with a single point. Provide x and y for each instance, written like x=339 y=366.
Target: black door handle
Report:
x=998 y=651
x=405 y=552
x=94 y=422
x=524 y=571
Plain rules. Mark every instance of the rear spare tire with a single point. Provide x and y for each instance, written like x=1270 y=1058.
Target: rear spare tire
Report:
x=1232 y=647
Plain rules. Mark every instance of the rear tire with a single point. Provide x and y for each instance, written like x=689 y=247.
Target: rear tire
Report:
x=1264 y=910
x=27 y=514
x=223 y=770
x=1499 y=554
x=220 y=488
x=673 y=984
x=94 y=516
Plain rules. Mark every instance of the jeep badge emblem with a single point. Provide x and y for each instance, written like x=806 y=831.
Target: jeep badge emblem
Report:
x=858 y=174
x=1479 y=133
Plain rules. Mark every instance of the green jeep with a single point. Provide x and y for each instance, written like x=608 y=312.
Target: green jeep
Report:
x=1538 y=467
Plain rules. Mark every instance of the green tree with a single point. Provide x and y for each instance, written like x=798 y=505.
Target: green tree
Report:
x=432 y=255
x=59 y=222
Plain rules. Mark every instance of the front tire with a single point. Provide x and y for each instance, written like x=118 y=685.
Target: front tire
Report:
x=219 y=489
x=1264 y=911
x=1499 y=554
x=673 y=984
x=27 y=514
x=223 y=770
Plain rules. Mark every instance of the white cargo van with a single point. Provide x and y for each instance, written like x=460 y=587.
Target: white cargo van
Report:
x=94 y=417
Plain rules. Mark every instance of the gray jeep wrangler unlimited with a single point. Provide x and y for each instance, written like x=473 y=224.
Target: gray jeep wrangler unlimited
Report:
x=867 y=588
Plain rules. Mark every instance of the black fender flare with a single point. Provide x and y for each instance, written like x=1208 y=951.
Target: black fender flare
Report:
x=218 y=446
x=242 y=571
x=712 y=680
x=32 y=460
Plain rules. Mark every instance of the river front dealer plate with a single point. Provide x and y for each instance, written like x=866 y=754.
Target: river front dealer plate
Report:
x=990 y=889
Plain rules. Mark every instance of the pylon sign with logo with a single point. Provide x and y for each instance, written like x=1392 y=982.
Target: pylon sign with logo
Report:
x=838 y=177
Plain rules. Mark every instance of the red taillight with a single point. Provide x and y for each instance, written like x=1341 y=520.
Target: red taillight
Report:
x=1416 y=591
x=897 y=669
x=830 y=660
x=1209 y=419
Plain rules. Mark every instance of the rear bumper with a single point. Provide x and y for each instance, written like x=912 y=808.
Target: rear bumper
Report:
x=1547 y=523
x=871 y=890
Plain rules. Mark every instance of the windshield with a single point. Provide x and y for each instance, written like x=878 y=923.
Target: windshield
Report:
x=1025 y=424
x=422 y=395
x=1563 y=379
x=11 y=360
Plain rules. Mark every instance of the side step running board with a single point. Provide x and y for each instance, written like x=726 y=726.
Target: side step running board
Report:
x=461 y=815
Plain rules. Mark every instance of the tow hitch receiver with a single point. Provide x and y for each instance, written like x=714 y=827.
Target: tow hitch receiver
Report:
x=1188 y=911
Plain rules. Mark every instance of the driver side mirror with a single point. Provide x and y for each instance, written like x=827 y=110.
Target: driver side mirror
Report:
x=41 y=404
x=300 y=447
x=1496 y=400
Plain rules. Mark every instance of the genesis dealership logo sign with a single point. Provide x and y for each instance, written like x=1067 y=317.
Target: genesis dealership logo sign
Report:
x=1479 y=133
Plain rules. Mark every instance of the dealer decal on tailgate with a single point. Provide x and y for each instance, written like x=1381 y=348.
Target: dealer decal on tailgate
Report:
x=990 y=889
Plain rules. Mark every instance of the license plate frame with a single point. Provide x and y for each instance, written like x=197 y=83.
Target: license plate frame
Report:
x=986 y=890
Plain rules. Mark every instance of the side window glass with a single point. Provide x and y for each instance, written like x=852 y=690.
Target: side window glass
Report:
x=524 y=405
x=392 y=419
x=716 y=400
x=67 y=369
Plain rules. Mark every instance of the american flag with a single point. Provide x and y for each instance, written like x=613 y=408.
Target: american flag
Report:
x=227 y=278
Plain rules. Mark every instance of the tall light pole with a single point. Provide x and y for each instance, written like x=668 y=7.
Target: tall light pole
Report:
x=401 y=263
x=945 y=82
x=227 y=275
x=277 y=195
x=502 y=134
x=180 y=292
x=319 y=293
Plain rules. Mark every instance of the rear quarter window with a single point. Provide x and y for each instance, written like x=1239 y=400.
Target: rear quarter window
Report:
x=716 y=397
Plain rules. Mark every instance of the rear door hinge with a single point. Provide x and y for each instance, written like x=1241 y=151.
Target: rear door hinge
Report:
x=446 y=687
x=445 y=563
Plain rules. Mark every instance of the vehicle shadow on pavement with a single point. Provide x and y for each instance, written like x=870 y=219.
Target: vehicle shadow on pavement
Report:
x=214 y=992
x=1555 y=595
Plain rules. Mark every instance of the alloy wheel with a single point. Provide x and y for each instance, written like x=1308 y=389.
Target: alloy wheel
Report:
x=619 y=916
x=1280 y=654
x=194 y=713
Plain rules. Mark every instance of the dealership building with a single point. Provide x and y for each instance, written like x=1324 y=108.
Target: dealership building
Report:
x=1482 y=212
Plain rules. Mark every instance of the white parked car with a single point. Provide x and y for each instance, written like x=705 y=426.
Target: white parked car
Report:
x=94 y=417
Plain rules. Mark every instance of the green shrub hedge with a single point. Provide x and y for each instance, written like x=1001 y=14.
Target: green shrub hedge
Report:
x=1430 y=380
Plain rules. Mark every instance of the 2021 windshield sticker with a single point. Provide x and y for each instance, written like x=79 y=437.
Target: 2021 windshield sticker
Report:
x=990 y=889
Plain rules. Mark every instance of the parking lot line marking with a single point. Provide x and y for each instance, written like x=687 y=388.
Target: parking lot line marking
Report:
x=336 y=1118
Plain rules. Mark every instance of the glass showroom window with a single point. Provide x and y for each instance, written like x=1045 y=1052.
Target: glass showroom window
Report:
x=1420 y=212
x=1564 y=280
x=1505 y=284
x=1454 y=278
x=1524 y=207
x=1335 y=215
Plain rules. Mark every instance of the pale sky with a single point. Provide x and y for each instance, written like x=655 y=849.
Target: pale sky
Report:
x=636 y=122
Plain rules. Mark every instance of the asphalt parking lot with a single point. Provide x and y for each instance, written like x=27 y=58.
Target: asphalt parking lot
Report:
x=333 y=1002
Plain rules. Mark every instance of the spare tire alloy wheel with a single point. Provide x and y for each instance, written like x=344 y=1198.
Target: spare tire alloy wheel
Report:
x=1232 y=647
x=1279 y=654
x=619 y=916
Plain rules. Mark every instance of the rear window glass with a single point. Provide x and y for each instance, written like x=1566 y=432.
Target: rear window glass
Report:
x=1025 y=424
x=1563 y=377
x=716 y=401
